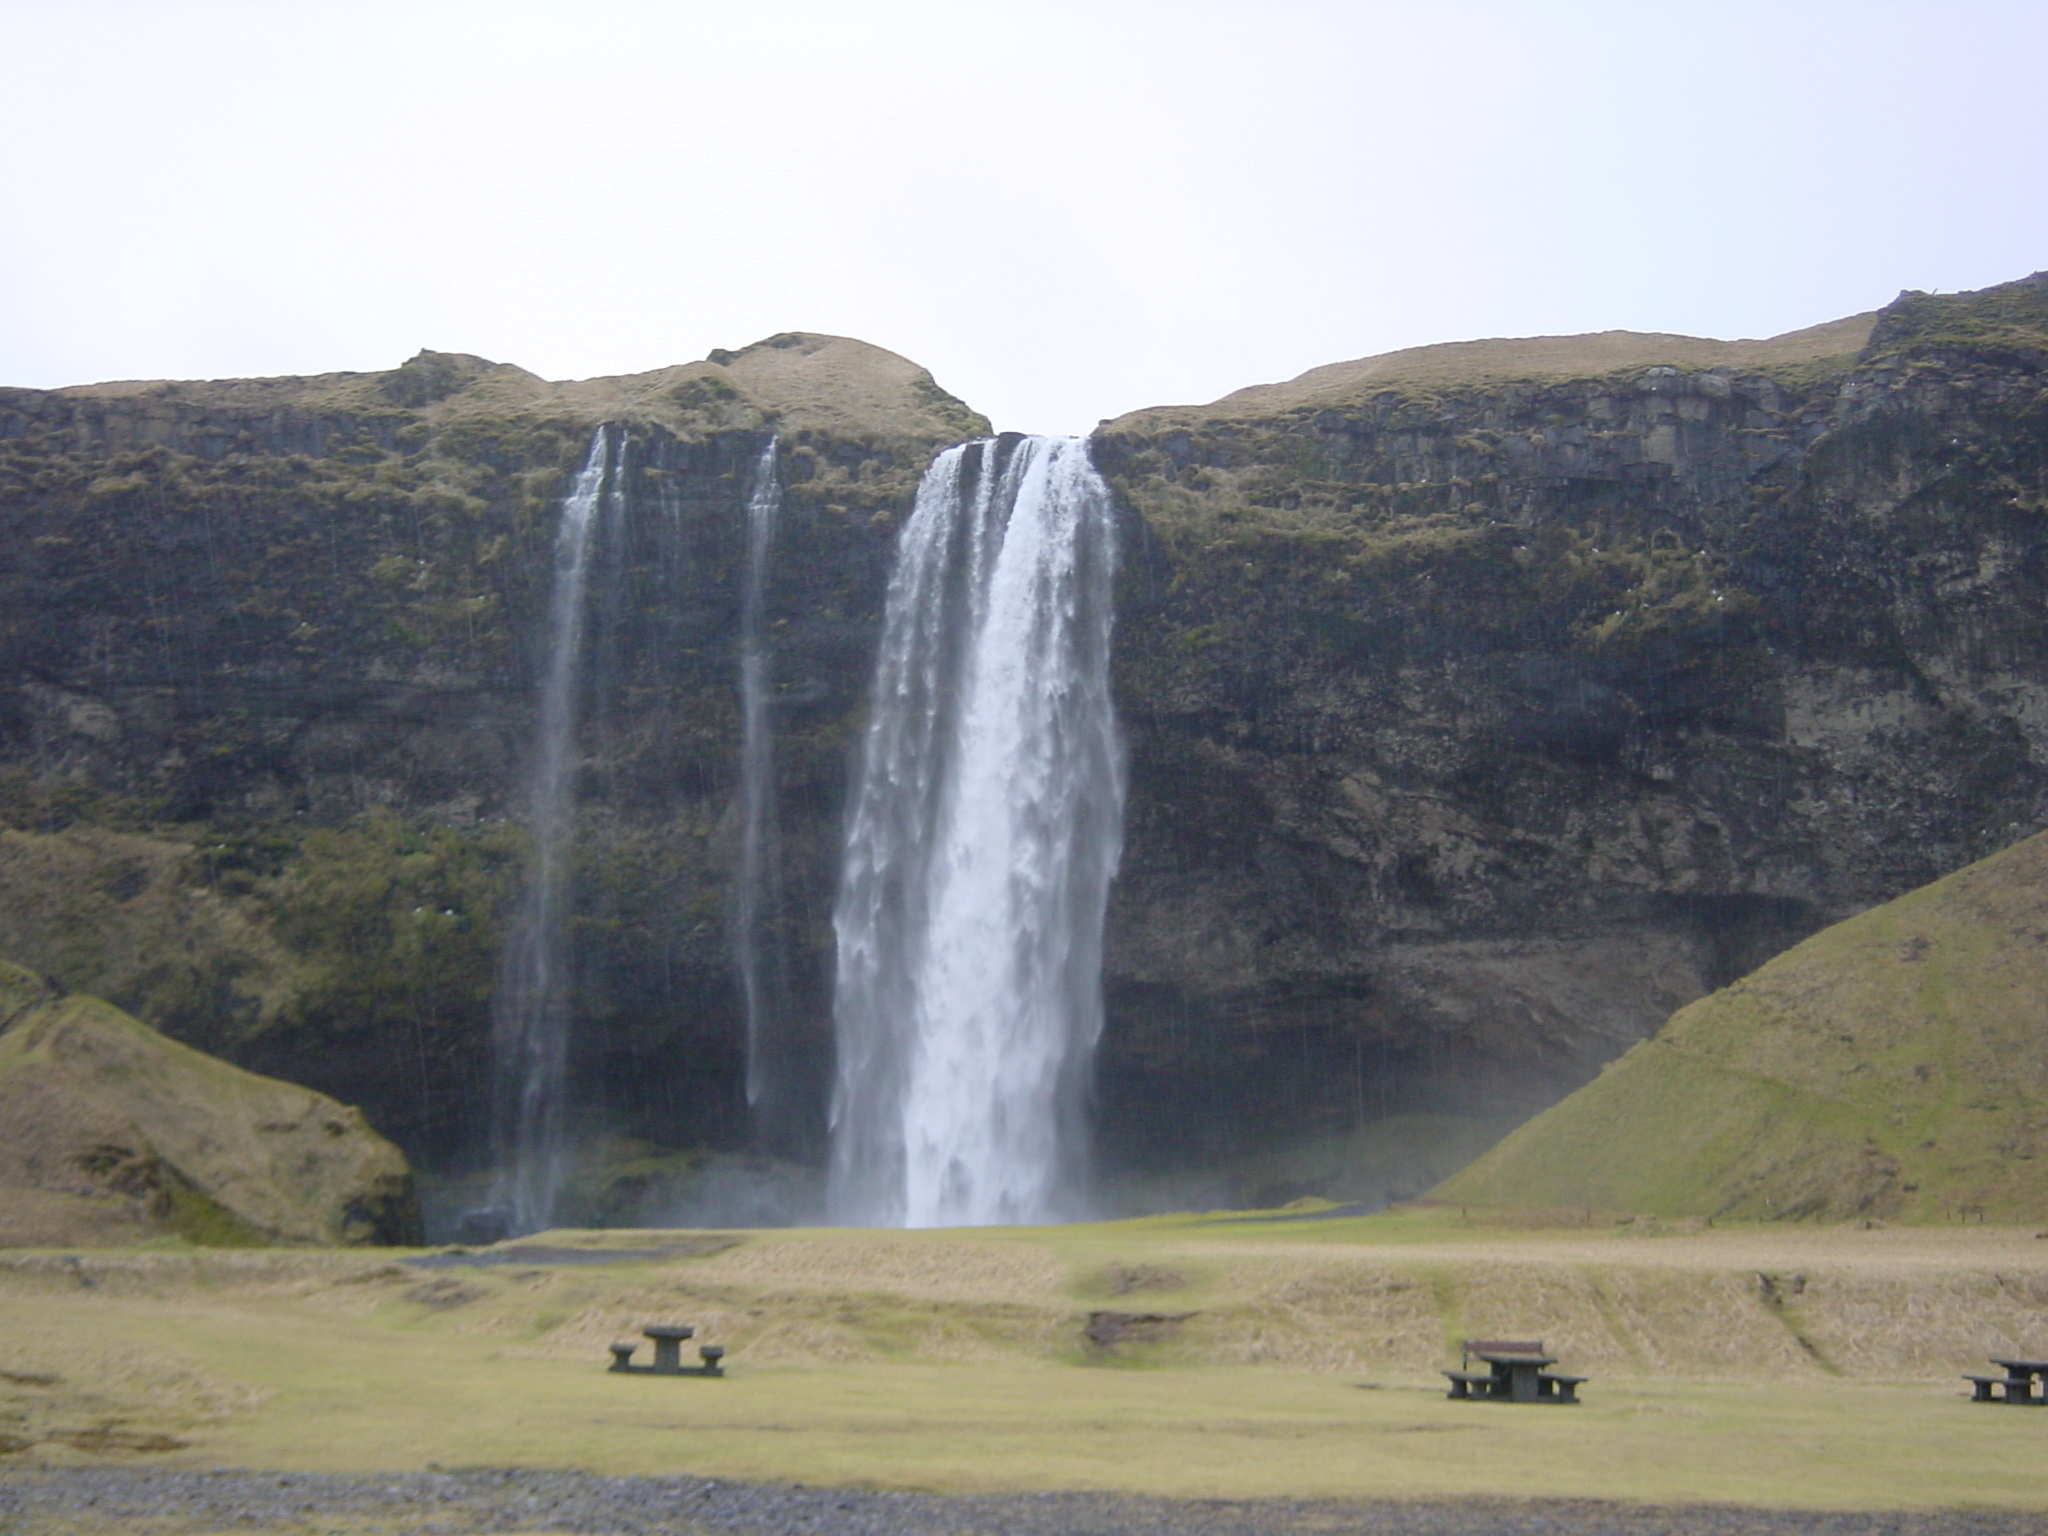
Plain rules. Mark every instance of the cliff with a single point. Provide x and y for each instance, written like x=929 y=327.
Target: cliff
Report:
x=1894 y=1065
x=1489 y=702
x=270 y=650
x=1484 y=703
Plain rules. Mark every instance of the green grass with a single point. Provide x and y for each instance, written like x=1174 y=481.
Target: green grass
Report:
x=954 y=1360
x=1894 y=1065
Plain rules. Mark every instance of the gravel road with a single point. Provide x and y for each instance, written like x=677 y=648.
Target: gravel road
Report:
x=166 y=1503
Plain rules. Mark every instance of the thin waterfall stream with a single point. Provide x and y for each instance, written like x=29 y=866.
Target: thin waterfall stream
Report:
x=530 y=1008
x=760 y=958
x=985 y=825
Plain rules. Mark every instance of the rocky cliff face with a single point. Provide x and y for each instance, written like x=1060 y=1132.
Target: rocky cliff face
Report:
x=1485 y=704
x=271 y=649
x=1489 y=702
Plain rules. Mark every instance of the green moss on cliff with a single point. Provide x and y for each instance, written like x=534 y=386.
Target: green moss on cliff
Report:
x=393 y=926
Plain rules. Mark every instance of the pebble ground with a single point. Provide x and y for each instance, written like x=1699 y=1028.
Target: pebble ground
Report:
x=478 y=1500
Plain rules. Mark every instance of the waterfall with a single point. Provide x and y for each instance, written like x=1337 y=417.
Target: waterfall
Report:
x=530 y=1009
x=985 y=825
x=764 y=981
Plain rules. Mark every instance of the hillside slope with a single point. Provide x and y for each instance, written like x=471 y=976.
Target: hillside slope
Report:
x=110 y=1132
x=1893 y=1065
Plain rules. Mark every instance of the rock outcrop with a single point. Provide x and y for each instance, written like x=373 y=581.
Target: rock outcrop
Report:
x=1894 y=1065
x=110 y=1132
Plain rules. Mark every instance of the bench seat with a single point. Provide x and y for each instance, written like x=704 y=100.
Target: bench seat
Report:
x=1462 y=1382
x=1981 y=1389
x=1566 y=1387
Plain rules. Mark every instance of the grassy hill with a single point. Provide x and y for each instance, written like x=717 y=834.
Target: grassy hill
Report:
x=113 y=1133
x=1894 y=1065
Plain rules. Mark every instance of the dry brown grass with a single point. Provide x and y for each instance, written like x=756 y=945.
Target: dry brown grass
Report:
x=1536 y=359
x=906 y=1264
x=831 y=385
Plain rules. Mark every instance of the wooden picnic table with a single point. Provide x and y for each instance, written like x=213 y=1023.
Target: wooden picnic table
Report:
x=668 y=1353
x=668 y=1346
x=1513 y=1375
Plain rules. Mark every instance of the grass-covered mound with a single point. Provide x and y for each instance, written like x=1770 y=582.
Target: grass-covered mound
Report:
x=111 y=1132
x=1893 y=1065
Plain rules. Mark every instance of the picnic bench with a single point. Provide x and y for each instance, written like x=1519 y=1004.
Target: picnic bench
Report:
x=2016 y=1385
x=668 y=1353
x=1517 y=1371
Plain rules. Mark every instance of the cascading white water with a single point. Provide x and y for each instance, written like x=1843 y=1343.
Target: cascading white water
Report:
x=985 y=826
x=763 y=983
x=530 y=1008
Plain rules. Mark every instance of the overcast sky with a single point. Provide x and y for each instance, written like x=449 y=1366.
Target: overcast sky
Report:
x=1066 y=211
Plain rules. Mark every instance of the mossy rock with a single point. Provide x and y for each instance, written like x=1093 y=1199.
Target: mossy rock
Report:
x=110 y=1131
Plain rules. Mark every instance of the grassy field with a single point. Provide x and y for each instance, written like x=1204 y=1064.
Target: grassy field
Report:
x=1765 y=1364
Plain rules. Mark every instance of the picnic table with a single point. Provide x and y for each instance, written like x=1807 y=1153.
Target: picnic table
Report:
x=1517 y=1371
x=2017 y=1384
x=668 y=1353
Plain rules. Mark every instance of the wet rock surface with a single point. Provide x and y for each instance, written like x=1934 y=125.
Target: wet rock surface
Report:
x=508 y=1500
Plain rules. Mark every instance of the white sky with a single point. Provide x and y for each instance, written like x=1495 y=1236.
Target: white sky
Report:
x=1066 y=211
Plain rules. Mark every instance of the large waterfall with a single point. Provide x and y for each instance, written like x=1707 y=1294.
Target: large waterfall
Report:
x=764 y=980
x=530 y=1009
x=983 y=832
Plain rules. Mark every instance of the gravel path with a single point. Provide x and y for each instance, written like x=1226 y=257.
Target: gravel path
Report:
x=160 y=1503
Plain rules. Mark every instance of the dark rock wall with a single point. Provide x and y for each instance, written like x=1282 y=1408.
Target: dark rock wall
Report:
x=307 y=649
x=1476 y=728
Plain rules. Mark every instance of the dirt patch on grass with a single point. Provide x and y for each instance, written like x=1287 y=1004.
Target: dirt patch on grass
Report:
x=98 y=1442
x=1106 y=1330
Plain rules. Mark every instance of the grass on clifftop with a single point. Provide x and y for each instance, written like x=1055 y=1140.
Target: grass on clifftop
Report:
x=1894 y=1065
x=831 y=387
x=1497 y=361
